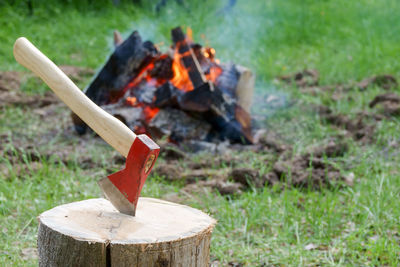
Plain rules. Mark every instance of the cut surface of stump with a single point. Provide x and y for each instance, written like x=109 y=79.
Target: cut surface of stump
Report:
x=93 y=233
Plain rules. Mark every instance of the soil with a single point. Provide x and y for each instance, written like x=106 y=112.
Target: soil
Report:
x=10 y=80
x=169 y=171
x=77 y=74
x=33 y=154
x=173 y=171
x=390 y=103
x=248 y=177
x=11 y=95
x=384 y=81
x=222 y=186
x=313 y=169
x=19 y=170
x=308 y=81
x=15 y=98
x=227 y=171
x=172 y=152
x=268 y=141
x=305 y=78
x=358 y=128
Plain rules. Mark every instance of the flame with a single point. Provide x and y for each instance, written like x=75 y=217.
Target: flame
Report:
x=149 y=113
x=180 y=79
x=209 y=53
x=214 y=73
x=132 y=101
x=143 y=74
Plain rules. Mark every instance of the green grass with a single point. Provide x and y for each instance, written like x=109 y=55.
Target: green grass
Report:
x=343 y=40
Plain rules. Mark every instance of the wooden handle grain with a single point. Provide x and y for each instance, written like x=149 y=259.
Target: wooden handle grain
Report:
x=112 y=130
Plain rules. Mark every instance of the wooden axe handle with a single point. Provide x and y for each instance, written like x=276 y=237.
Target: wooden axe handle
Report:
x=112 y=130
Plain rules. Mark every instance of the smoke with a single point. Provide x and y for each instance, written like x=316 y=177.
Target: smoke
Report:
x=236 y=29
x=236 y=32
x=238 y=35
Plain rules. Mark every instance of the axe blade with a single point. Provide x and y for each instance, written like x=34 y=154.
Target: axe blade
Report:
x=116 y=198
x=123 y=187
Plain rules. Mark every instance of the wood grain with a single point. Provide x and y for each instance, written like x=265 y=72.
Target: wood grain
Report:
x=92 y=232
x=245 y=88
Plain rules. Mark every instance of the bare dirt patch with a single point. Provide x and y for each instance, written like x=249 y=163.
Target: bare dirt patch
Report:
x=390 y=103
x=77 y=74
x=49 y=119
x=308 y=81
x=304 y=78
x=11 y=81
x=311 y=170
x=16 y=98
x=384 y=81
x=226 y=175
x=358 y=127
x=223 y=186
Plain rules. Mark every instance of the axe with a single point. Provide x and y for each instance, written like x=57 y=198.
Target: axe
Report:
x=121 y=188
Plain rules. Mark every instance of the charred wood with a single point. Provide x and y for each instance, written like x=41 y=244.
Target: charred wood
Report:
x=123 y=64
x=162 y=68
x=228 y=80
x=79 y=125
x=167 y=96
x=228 y=129
x=130 y=116
x=136 y=85
x=144 y=93
x=189 y=59
x=178 y=126
x=201 y=98
x=229 y=120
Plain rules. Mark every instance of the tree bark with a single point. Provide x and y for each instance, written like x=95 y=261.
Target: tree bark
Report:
x=93 y=233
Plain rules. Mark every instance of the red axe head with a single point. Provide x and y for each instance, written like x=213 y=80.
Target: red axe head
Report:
x=123 y=188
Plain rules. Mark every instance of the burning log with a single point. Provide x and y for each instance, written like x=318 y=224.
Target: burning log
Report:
x=178 y=126
x=222 y=113
x=167 y=96
x=123 y=64
x=188 y=58
x=221 y=108
x=141 y=86
x=228 y=80
x=130 y=116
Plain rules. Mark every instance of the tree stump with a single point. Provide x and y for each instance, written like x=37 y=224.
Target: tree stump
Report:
x=93 y=233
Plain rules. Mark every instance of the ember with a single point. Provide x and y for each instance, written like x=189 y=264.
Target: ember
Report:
x=188 y=83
